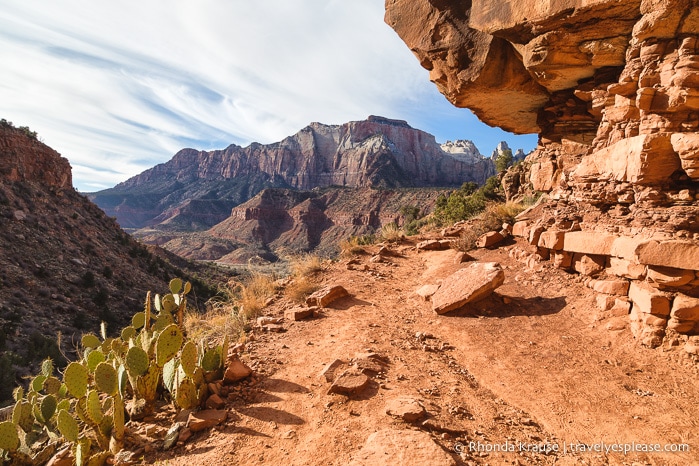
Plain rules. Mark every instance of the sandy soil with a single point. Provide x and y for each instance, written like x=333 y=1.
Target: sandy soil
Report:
x=530 y=366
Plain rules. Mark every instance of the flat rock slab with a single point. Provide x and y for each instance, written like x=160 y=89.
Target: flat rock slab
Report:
x=349 y=383
x=404 y=447
x=205 y=419
x=327 y=295
x=470 y=284
x=405 y=408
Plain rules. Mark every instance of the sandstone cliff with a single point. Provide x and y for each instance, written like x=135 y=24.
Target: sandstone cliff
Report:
x=612 y=88
x=377 y=152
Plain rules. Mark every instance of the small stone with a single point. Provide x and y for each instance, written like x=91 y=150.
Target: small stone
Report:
x=469 y=284
x=405 y=408
x=327 y=295
x=328 y=372
x=432 y=245
x=349 y=382
x=489 y=240
x=215 y=402
x=205 y=419
x=185 y=434
x=266 y=320
x=460 y=257
x=235 y=370
x=299 y=313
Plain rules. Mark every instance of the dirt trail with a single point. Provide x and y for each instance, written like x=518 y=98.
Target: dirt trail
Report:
x=528 y=367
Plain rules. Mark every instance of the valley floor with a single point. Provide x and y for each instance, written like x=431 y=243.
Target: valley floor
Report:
x=529 y=368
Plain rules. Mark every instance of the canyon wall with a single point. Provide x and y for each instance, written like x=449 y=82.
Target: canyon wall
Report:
x=377 y=152
x=612 y=89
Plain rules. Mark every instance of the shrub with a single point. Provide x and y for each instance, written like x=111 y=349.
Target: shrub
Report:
x=350 y=247
x=390 y=233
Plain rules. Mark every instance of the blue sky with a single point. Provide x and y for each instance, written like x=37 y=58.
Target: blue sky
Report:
x=118 y=87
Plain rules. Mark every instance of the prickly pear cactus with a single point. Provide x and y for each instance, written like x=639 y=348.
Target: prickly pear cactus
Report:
x=93 y=359
x=47 y=367
x=9 y=438
x=75 y=377
x=136 y=361
x=168 y=344
x=106 y=378
x=67 y=426
x=90 y=341
x=93 y=407
x=186 y=395
x=189 y=358
x=48 y=407
x=211 y=360
x=23 y=415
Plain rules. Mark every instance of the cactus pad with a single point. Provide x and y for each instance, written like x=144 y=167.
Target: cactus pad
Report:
x=23 y=416
x=106 y=378
x=81 y=451
x=164 y=319
x=37 y=383
x=75 y=378
x=93 y=359
x=48 y=407
x=169 y=372
x=93 y=407
x=211 y=360
x=187 y=288
x=168 y=303
x=18 y=393
x=121 y=378
x=138 y=320
x=67 y=426
x=168 y=344
x=90 y=340
x=47 y=367
x=189 y=358
x=136 y=361
x=186 y=394
x=9 y=438
x=52 y=386
x=128 y=333
x=175 y=285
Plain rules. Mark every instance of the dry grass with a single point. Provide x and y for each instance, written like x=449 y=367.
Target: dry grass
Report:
x=240 y=303
x=390 y=233
x=305 y=265
x=300 y=288
x=490 y=219
x=350 y=247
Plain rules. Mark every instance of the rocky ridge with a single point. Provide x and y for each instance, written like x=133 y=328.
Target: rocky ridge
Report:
x=197 y=189
x=611 y=87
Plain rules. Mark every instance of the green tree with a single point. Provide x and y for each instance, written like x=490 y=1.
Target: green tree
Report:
x=503 y=161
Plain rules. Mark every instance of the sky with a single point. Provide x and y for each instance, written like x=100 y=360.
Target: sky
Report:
x=120 y=86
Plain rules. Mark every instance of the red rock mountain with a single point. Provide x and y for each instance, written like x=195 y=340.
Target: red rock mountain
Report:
x=197 y=189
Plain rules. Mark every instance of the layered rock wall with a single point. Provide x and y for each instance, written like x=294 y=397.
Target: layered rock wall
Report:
x=612 y=89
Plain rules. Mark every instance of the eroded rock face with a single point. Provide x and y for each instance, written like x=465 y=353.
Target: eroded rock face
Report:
x=26 y=159
x=613 y=84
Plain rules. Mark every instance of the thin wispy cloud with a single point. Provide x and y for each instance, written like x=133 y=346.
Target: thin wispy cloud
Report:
x=118 y=87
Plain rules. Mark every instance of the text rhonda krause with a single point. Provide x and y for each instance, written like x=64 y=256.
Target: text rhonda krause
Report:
x=571 y=447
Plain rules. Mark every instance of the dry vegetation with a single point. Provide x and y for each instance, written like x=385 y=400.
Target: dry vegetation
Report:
x=492 y=218
x=303 y=271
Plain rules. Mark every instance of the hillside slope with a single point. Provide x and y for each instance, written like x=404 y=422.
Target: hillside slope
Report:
x=64 y=265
